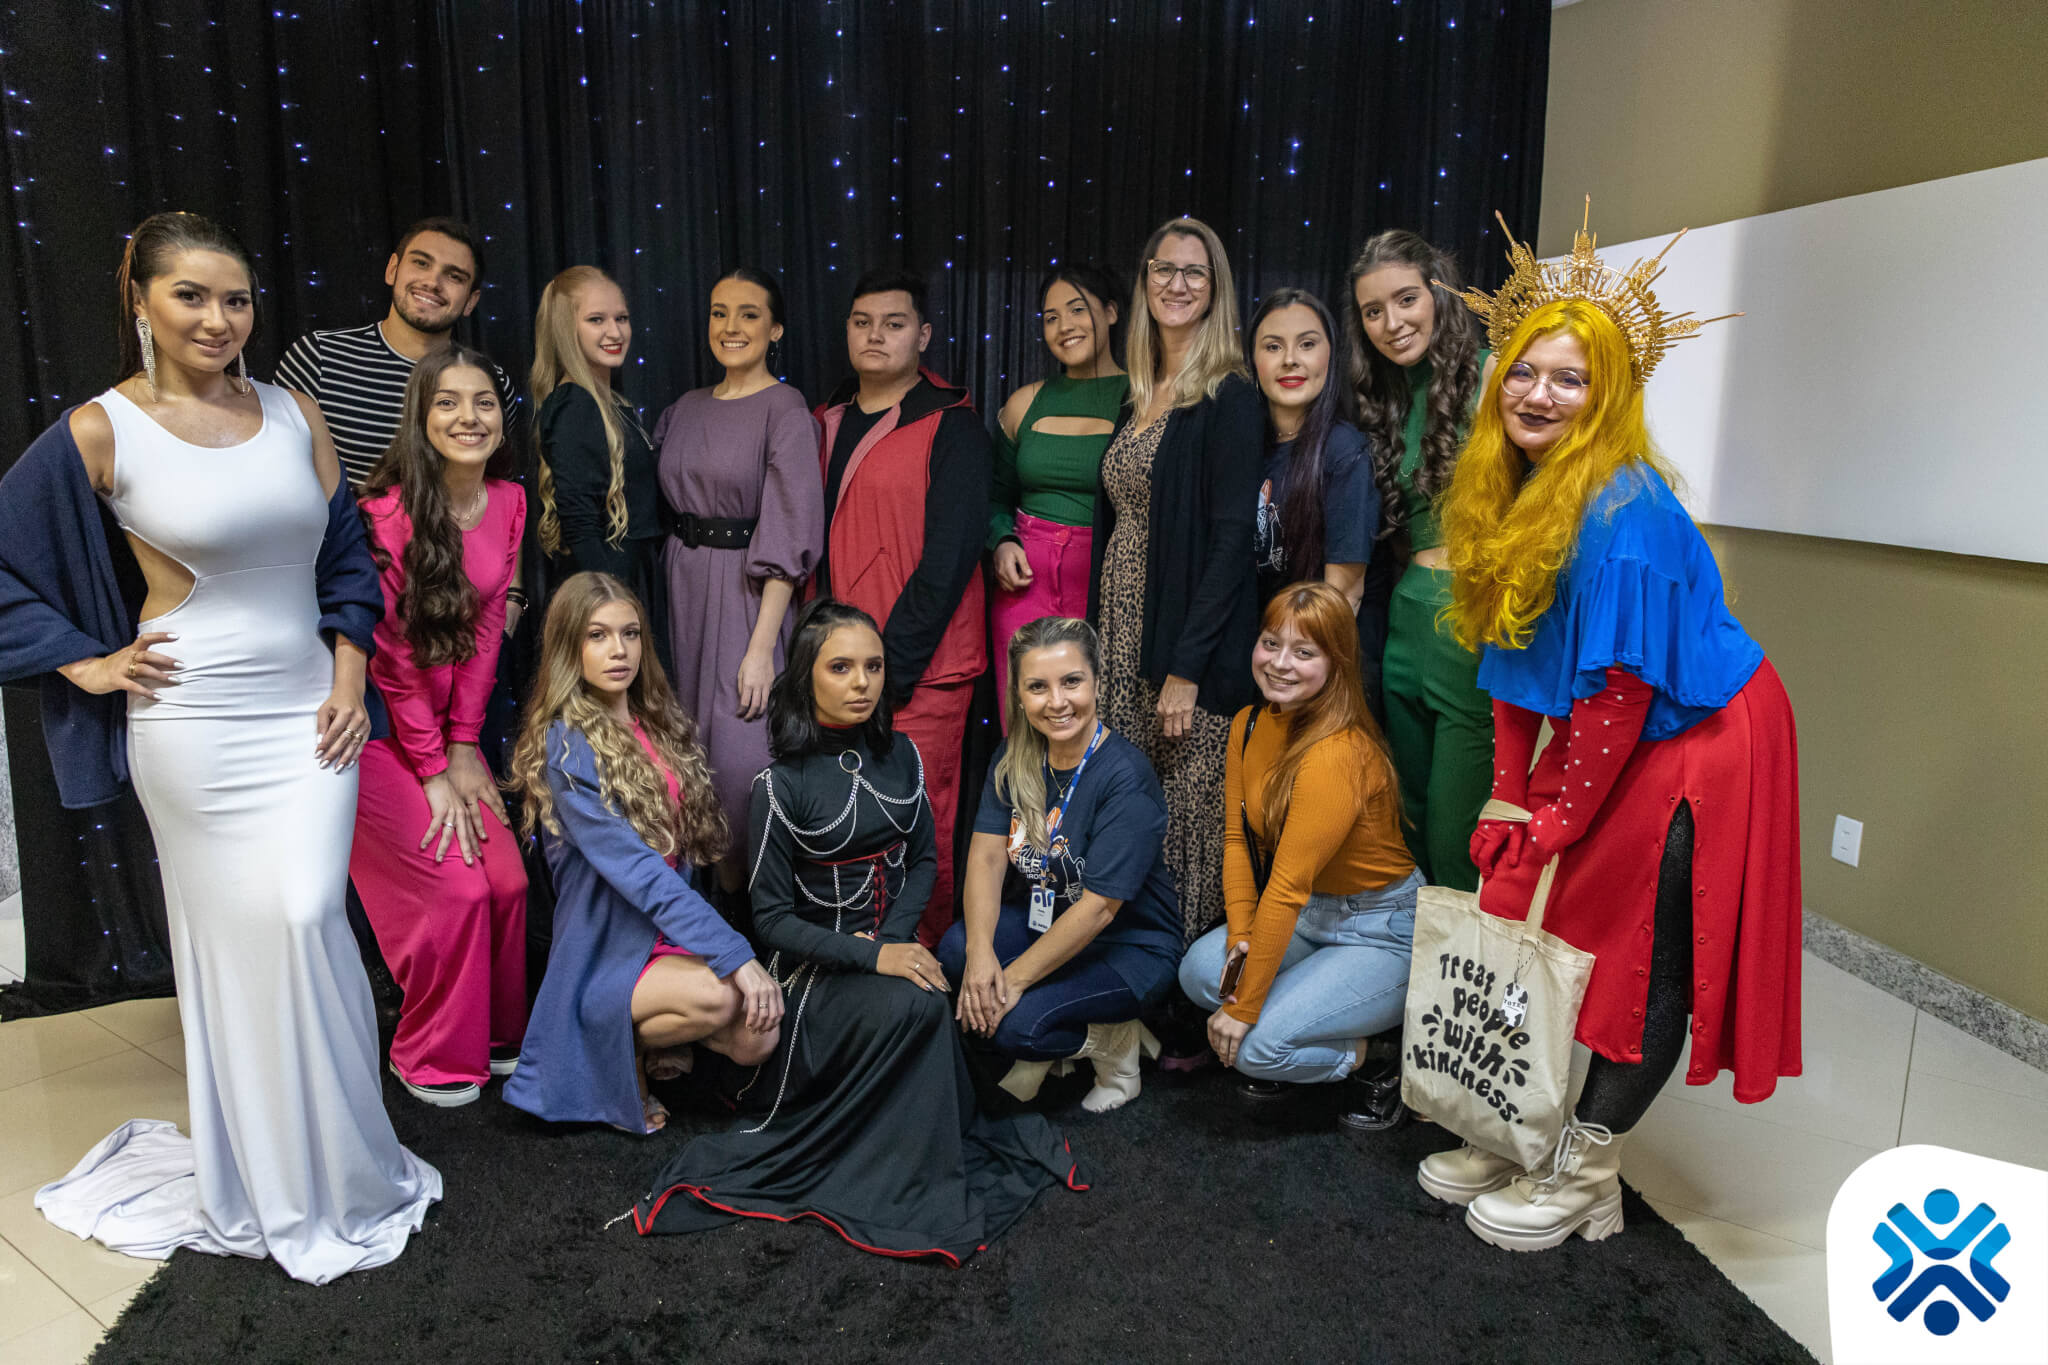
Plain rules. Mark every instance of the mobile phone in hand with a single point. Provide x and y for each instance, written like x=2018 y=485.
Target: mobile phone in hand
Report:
x=1233 y=968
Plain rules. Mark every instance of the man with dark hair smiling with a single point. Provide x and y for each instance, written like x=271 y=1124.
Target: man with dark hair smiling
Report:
x=907 y=464
x=358 y=374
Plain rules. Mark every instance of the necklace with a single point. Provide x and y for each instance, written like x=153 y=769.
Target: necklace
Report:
x=471 y=515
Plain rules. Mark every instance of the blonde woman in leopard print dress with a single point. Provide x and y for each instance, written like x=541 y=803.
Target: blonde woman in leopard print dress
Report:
x=1175 y=591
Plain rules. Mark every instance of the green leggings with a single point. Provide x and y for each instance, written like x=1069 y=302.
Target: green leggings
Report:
x=1440 y=727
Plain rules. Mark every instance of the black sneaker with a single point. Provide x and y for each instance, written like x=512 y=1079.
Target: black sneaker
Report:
x=1375 y=1095
x=504 y=1060
x=441 y=1094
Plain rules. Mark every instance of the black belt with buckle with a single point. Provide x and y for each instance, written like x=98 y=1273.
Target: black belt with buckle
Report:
x=721 y=533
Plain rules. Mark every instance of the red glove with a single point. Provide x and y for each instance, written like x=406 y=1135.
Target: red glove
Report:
x=1514 y=746
x=1497 y=843
x=1604 y=730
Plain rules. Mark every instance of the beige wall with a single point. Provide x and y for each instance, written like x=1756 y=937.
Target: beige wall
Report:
x=1917 y=677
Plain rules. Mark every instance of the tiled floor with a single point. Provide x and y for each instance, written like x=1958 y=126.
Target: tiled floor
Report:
x=1748 y=1184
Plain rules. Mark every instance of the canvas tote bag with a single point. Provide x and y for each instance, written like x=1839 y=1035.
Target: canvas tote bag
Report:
x=1492 y=1006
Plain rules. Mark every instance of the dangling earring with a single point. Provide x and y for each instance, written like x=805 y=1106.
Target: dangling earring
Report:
x=242 y=384
x=148 y=356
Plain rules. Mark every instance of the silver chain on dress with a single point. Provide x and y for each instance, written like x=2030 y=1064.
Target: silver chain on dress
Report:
x=861 y=898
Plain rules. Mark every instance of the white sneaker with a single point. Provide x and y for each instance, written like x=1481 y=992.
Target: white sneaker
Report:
x=442 y=1095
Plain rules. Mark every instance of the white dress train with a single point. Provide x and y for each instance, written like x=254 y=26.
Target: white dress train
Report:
x=291 y=1155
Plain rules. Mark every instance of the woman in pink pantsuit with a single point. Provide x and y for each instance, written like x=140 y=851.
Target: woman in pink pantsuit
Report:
x=438 y=871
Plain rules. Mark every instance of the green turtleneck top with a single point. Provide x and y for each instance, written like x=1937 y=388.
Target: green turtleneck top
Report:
x=1423 y=531
x=1053 y=477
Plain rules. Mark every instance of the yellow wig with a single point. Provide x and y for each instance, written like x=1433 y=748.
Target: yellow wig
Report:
x=1509 y=527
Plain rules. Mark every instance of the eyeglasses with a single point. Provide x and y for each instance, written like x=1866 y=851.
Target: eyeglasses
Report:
x=1566 y=386
x=1163 y=272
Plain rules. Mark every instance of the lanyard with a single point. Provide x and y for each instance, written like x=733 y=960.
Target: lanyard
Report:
x=1057 y=816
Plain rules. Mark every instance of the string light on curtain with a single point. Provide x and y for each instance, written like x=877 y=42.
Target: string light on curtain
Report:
x=665 y=142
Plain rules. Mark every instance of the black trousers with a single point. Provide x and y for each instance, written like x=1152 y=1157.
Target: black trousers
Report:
x=1618 y=1094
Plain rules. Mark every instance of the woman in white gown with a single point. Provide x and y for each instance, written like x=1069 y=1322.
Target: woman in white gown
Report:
x=245 y=716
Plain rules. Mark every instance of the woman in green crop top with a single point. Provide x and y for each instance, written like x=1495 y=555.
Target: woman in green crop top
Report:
x=1049 y=442
x=1417 y=366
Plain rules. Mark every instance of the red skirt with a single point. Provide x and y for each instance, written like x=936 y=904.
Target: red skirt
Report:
x=1739 y=771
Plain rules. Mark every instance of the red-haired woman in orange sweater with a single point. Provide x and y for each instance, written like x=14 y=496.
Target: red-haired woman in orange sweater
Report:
x=1318 y=885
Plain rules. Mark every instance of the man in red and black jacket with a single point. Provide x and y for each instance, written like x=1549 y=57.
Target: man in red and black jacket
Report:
x=907 y=464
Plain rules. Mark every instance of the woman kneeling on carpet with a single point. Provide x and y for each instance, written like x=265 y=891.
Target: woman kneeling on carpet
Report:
x=1092 y=935
x=864 y=1118
x=1318 y=885
x=612 y=774
x=1668 y=790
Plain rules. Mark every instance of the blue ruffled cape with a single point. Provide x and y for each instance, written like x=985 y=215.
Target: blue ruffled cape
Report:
x=1641 y=592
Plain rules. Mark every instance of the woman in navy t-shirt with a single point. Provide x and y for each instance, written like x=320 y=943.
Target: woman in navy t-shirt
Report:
x=1088 y=933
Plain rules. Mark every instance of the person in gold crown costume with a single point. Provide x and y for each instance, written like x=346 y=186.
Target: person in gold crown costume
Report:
x=1668 y=792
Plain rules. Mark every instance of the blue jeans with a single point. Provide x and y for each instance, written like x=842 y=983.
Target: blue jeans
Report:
x=1344 y=977
x=1051 y=1020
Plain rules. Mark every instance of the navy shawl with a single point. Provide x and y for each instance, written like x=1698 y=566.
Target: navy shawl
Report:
x=61 y=601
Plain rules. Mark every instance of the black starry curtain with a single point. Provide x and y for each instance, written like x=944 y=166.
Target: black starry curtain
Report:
x=977 y=140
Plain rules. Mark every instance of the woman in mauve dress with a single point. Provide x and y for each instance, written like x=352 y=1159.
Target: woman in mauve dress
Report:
x=739 y=471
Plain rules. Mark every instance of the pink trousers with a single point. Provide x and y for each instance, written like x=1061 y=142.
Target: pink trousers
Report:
x=1060 y=564
x=454 y=935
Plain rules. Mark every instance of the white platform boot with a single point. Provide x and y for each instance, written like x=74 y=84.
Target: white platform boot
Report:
x=1461 y=1176
x=1115 y=1049
x=1581 y=1192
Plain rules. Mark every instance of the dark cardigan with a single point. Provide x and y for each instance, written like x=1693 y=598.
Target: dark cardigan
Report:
x=1201 y=590
x=61 y=600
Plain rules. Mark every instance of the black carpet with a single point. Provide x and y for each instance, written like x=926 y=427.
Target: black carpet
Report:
x=1214 y=1230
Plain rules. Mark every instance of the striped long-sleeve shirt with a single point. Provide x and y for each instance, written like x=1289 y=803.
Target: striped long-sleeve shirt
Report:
x=359 y=383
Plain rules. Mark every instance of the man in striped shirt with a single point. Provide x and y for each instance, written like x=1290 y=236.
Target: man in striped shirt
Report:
x=358 y=374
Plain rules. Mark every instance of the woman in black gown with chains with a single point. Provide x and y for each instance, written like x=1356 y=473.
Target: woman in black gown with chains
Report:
x=843 y=1123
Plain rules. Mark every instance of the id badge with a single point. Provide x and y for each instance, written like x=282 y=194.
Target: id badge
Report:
x=1041 y=909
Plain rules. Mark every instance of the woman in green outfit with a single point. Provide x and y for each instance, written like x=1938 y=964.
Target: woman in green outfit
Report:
x=1417 y=361
x=1049 y=444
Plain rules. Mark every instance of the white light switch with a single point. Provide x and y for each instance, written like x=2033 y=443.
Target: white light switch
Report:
x=1848 y=840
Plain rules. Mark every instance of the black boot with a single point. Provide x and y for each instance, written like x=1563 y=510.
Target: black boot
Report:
x=1375 y=1095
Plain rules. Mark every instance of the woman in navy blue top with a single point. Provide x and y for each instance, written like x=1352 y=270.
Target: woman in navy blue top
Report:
x=1319 y=510
x=1058 y=964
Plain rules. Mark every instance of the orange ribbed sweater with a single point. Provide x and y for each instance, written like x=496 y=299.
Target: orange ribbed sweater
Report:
x=1342 y=835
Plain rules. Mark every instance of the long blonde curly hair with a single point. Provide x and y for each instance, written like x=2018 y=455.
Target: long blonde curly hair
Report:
x=1510 y=527
x=631 y=785
x=557 y=360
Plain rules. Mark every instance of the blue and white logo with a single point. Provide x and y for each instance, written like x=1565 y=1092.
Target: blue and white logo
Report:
x=1925 y=1247
x=1905 y=1238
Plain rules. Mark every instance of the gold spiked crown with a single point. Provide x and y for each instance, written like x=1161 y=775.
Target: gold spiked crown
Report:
x=1624 y=296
